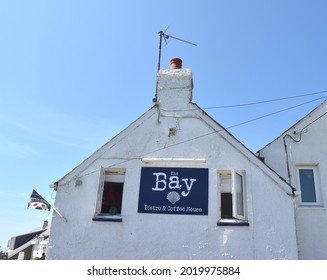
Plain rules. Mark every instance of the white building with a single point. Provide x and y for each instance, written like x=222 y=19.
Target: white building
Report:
x=300 y=156
x=173 y=185
x=29 y=246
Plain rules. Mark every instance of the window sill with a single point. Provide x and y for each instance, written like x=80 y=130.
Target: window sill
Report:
x=233 y=223
x=309 y=206
x=108 y=219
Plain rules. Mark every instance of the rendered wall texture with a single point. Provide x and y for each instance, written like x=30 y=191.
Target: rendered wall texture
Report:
x=271 y=230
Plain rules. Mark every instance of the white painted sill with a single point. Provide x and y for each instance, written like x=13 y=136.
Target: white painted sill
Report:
x=107 y=218
x=232 y=222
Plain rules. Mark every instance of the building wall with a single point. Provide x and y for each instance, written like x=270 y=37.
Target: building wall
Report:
x=309 y=149
x=39 y=248
x=270 y=233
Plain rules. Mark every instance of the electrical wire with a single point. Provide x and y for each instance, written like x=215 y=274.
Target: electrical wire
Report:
x=265 y=101
x=277 y=112
x=252 y=103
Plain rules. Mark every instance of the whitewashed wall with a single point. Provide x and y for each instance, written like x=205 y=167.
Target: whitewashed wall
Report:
x=271 y=230
x=310 y=150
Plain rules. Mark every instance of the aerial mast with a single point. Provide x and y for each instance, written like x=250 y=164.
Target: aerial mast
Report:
x=165 y=36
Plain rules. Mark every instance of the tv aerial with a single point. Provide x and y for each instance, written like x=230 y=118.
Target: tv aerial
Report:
x=165 y=36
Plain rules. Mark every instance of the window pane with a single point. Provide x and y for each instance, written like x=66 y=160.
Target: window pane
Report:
x=112 y=198
x=226 y=206
x=226 y=183
x=307 y=184
x=239 y=195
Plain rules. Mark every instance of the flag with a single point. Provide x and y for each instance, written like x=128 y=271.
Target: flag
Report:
x=38 y=202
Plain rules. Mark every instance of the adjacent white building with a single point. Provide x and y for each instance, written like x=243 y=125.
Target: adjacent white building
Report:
x=299 y=155
x=173 y=185
x=29 y=246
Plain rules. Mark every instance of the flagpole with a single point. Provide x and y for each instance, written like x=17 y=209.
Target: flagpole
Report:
x=38 y=202
x=57 y=211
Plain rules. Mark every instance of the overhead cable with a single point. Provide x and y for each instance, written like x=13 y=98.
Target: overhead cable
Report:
x=265 y=101
x=253 y=103
x=277 y=112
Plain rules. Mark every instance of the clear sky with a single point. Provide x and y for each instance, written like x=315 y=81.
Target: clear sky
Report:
x=74 y=73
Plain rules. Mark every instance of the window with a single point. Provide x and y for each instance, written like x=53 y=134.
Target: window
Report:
x=232 y=198
x=307 y=178
x=110 y=196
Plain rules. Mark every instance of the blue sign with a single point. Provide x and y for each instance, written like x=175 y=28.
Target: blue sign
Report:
x=166 y=190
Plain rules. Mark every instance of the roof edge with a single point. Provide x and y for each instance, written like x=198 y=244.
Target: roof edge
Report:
x=116 y=137
x=252 y=154
x=294 y=125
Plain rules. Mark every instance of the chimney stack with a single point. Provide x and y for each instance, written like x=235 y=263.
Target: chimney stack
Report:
x=174 y=86
x=175 y=63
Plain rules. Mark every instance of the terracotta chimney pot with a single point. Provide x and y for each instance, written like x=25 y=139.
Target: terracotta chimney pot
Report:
x=175 y=63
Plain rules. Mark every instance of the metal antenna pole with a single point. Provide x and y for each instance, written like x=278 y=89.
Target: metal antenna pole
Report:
x=162 y=34
x=159 y=51
x=165 y=36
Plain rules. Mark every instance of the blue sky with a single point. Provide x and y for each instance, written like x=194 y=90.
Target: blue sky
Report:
x=73 y=74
